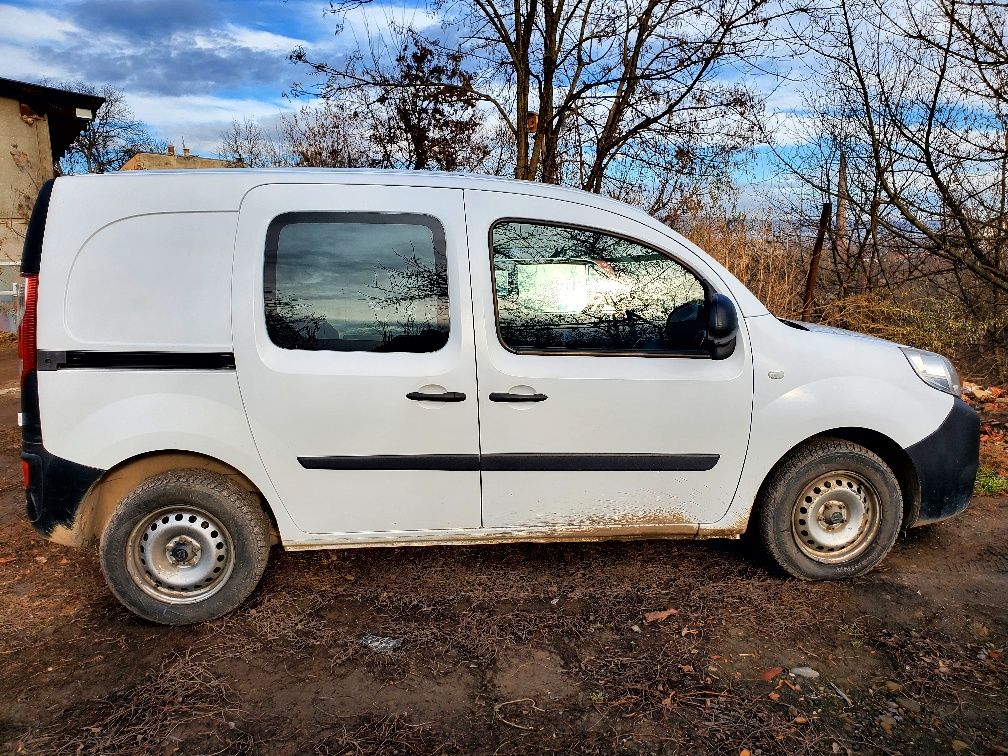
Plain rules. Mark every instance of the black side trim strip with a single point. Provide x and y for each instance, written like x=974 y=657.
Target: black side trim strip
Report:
x=599 y=462
x=49 y=360
x=517 y=462
x=393 y=462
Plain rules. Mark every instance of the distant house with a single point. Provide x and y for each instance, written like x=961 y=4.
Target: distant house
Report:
x=152 y=161
x=37 y=125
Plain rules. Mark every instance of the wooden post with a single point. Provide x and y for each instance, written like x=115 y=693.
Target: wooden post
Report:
x=813 y=268
x=841 y=207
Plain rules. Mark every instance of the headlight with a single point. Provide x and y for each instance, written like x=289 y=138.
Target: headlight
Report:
x=934 y=370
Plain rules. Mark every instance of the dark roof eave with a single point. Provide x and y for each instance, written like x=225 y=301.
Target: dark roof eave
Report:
x=58 y=105
x=37 y=94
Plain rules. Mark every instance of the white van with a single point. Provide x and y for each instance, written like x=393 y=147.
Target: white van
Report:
x=216 y=361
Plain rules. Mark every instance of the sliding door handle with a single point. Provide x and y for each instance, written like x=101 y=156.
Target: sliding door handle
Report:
x=506 y=396
x=446 y=396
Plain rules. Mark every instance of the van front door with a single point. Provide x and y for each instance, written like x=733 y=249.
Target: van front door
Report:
x=353 y=336
x=601 y=411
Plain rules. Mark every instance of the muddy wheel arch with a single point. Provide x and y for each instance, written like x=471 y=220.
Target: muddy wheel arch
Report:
x=106 y=492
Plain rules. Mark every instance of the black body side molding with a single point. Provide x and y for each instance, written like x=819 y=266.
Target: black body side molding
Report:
x=50 y=360
x=600 y=462
x=393 y=462
x=946 y=464
x=517 y=462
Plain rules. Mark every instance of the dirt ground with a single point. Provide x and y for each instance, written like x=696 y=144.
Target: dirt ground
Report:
x=514 y=649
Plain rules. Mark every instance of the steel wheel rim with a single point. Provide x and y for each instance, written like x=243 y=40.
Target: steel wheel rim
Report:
x=836 y=517
x=180 y=555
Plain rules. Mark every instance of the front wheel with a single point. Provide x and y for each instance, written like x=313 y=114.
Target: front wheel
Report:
x=831 y=509
x=185 y=546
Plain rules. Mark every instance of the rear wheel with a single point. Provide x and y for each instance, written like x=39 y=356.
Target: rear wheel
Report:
x=831 y=509
x=185 y=546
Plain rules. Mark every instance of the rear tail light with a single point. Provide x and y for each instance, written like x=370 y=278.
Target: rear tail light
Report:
x=28 y=331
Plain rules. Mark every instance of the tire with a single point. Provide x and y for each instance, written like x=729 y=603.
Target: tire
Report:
x=831 y=509
x=185 y=546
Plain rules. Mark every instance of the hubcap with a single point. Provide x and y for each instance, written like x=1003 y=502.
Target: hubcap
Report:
x=180 y=555
x=836 y=517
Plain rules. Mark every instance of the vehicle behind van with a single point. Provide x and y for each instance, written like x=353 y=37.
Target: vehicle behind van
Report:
x=215 y=362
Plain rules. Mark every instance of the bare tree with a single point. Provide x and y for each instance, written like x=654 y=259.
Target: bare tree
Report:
x=609 y=95
x=111 y=138
x=914 y=95
x=329 y=136
x=245 y=143
x=414 y=98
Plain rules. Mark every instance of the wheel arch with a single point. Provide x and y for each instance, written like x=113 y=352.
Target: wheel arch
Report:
x=887 y=449
x=105 y=493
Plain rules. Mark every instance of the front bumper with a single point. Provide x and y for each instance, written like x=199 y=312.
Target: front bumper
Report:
x=946 y=464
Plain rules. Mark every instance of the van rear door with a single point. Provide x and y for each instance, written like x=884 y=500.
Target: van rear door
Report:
x=353 y=337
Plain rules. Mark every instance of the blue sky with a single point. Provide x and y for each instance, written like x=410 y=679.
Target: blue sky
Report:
x=189 y=67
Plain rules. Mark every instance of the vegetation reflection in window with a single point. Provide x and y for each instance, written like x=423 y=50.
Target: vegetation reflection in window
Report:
x=562 y=289
x=362 y=282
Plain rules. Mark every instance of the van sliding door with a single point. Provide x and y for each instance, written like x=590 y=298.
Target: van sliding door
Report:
x=354 y=349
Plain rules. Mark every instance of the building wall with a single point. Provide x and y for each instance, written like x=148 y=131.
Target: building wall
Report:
x=149 y=161
x=25 y=164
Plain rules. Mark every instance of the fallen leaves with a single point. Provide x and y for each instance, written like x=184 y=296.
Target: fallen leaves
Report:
x=659 y=616
x=770 y=674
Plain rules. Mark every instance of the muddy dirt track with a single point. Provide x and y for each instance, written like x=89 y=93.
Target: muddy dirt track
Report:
x=514 y=649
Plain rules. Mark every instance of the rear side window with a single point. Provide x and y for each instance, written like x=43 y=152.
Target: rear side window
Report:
x=356 y=282
x=562 y=289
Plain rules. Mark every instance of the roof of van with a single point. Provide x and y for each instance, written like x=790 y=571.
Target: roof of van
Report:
x=250 y=177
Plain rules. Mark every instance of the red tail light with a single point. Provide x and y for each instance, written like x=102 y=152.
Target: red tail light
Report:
x=28 y=332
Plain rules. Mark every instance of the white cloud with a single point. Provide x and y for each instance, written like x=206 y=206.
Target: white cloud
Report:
x=376 y=22
x=25 y=25
x=235 y=37
x=261 y=41
x=790 y=127
x=200 y=119
x=22 y=63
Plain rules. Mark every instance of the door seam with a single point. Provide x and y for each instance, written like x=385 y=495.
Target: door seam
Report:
x=472 y=313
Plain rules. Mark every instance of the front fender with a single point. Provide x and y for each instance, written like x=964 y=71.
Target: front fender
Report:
x=807 y=384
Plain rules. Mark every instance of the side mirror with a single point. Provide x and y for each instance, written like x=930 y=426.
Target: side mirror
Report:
x=722 y=327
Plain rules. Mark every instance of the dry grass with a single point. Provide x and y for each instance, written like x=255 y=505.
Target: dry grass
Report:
x=687 y=684
x=771 y=258
x=184 y=704
x=772 y=265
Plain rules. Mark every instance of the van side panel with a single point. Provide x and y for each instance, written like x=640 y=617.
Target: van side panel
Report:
x=82 y=207
x=119 y=280
x=159 y=281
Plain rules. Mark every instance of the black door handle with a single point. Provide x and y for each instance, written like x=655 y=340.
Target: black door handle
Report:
x=506 y=396
x=447 y=396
